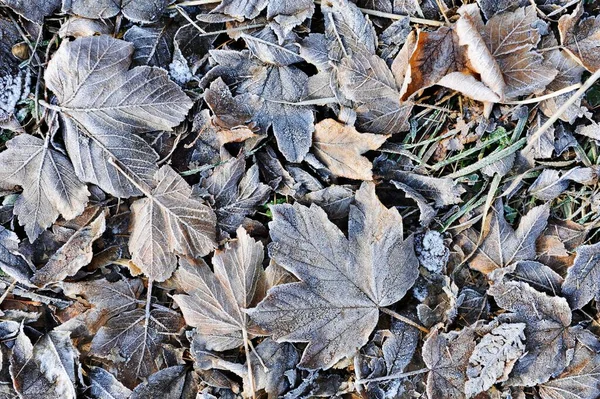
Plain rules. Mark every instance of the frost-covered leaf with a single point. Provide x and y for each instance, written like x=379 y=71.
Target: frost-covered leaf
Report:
x=446 y=355
x=167 y=383
x=280 y=360
x=153 y=44
x=335 y=200
x=581 y=38
x=104 y=105
x=344 y=281
x=442 y=191
x=50 y=186
x=46 y=370
x=340 y=147
x=504 y=245
x=494 y=356
x=104 y=385
x=13 y=81
x=33 y=10
x=263 y=45
x=236 y=193
x=582 y=282
x=11 y=261
x=547 y=334
x=167 y=222
x=134 y=10
x=537 y=275
x=83 y=27
x=551 y=183
x=215 y=305
x=73 y=255
x=399 y=348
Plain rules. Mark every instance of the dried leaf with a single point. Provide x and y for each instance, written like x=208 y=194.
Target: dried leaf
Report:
x=167 y=383
x=399 y=348
x=263 y=45
x=73 y=255
x=343 y=279
x=33 y=10
x=169 y=222
x=551 y=183
x=503 y=245
x=153 y=44
x=280 y=360
x=442 y=191
x=99 y=97
x=47 y=369
x=83 y=27
x=447 y=356
x=547 y=334
x=134 y=10
x=581 y=284
x=11 y=261
x=335 y=200
x=104 y=385
x=234 y=287
x=332 y=142
x=50 y=186
x=494 y=356
x=581 y=38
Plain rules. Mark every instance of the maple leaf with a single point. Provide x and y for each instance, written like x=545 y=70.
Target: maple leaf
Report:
x=134 y=10
x=447 y=356
x=50 y=186
x=547 y=334
x=581 y=284
x=169 y=221
x=344 y=281
x=233 y=287
x=331 y=141
x=104 y=105
x=503 y=245
x=581 y=38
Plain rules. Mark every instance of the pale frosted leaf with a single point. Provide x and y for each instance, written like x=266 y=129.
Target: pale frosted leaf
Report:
x=47 y=369
x=263 y=45
x=82 y=27
x=537 y=275
x=285 y=15
x=494 y=356
x=134 y=10
x=33 y=10
x=153 y=44
x=73 y=255
x=547 y=334
x=50 y=186
x=340 y=147
x=11 y=261
x=581 y=284
x=168 y=222
x=241 y=9
x=399 y=348
x=591 y=131
x=503 y=245
x=104 y=385
x=343 y=280
x=551 y=183
x=280 y=359
x=442 y=191
x=335 y=200
x=366 y=78
x=447 y=356
x=167 y=383
x=215 y=307
x=581 y=38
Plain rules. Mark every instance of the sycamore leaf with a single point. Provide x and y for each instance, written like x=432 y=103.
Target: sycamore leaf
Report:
x=344 y=281
x=11 y=262
x=133 y=341
x=581 y=38
x=236 y=193
x=73 y=255
x=340 y=147
x=47 y=369
x=547 y=334
x=503 y=245
x=104 y=105
x=50 y=186
x=215 y=305
x=104 y=385
x=581 y=378
x=447 y=356
x=167 y=222
x=581 y=284
x=494 y=356
x=134 y=10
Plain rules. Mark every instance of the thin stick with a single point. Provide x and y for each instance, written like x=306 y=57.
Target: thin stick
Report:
x=8 y=290
x=538 y=133
x=194 y=3
x=404 y=320
x=392 y=377
x=557 y=93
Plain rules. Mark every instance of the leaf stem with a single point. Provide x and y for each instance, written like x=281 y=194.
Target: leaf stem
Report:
x=393 y=376
x=538 y=133
x=404 y=320
x=557 y=93
x=194 y=3
x=248 y=361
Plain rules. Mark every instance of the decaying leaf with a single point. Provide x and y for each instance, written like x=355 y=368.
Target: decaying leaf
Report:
x=494 y=356
x=547 y=334
x=134 y=10
x=104 y=385
x=169 y=222
x=344 y=280
x=446 y=355
x=503 y=245
x=166 y=383
x=581 y=38
x=33 y=10
x=11 y=262
x=581 y=284
x=331 y=141
x=215 y=303
x=104 y=105
x=50 y=186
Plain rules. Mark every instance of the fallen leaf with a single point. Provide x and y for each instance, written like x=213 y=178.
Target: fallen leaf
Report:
x=581 y=284
x=166 y=383
x=153 y=44
x=551 y=183
x=134 y=10
x=104 y=385
x=343 y=279
x=11 y=261
x=581 y=38
x=34 y=10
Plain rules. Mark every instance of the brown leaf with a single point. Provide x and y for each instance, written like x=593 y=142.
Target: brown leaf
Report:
x=581 y=38
x=340 y=147
x=581 y=284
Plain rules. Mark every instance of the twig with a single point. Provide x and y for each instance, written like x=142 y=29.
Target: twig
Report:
x=533 y=100
x=392 y=377
x=193 y=3
x=404 y=320
x=8 y=290
x=538 y=133
x=248 y=361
